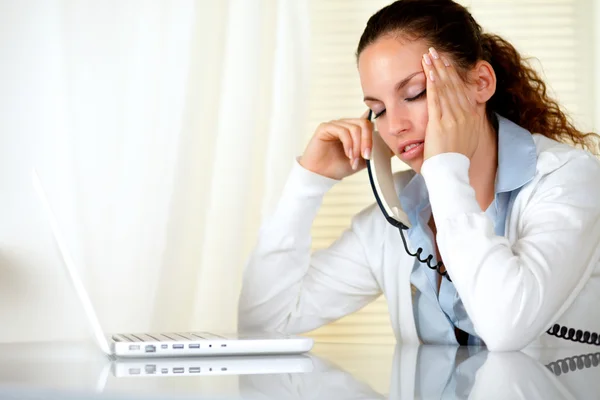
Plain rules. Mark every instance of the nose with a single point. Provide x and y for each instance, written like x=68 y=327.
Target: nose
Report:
x=398 y=120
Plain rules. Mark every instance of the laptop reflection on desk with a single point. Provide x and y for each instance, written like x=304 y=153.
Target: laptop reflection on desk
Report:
x=212 y=366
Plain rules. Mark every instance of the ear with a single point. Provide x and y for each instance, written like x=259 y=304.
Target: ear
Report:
x=484 y=81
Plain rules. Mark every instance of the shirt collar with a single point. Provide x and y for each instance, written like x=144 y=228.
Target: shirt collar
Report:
x=517 y=156
x=517 y=160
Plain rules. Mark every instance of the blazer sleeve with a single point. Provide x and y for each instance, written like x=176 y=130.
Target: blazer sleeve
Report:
x=513 y=293
x=287 y=288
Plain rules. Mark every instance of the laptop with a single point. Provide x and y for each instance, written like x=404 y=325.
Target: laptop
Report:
x=167 y=344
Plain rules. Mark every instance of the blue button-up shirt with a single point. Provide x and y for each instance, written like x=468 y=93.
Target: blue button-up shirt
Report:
x=437 y=314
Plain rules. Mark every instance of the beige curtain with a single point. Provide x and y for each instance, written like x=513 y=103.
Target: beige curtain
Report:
x=158 y=129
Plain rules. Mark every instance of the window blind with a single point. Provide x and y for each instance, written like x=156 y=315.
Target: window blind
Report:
x=556 y=32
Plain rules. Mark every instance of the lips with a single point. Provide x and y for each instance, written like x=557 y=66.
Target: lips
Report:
x=408 y=146
x=410 y=150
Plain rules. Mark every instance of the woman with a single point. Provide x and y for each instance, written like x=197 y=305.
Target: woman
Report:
x=495 y=192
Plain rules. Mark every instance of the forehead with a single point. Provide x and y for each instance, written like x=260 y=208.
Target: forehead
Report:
x=384 y=63
x=392 y=51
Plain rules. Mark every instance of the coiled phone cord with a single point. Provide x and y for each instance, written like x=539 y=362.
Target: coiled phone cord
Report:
x=575 y=363
x=556 y=330
x=574 y=335
x=427 y=261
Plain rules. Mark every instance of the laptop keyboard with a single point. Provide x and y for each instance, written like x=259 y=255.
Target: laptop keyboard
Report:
x=161 y=337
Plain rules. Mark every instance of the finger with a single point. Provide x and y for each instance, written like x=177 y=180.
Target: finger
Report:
x=458 y=85
x=361 y=164
x=366 y=136
x=445 y=86
x=454 y=89
x=433 y=104
x=447 y=100
x=438 y=65
x=366 y=141
x=355 y=131
x=331 y=131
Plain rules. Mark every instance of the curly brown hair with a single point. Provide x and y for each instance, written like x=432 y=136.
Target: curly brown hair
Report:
x=521 y=94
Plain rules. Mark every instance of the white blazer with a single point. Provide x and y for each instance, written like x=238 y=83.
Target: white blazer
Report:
x=545 y=270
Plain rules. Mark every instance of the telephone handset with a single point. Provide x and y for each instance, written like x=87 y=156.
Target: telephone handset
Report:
x=379 y=168
x=382 y=183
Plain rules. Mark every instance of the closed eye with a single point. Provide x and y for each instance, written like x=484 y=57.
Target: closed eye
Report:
x=417 y=97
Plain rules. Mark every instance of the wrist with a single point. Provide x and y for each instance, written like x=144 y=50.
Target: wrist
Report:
x=309 y=174
x=324 y=170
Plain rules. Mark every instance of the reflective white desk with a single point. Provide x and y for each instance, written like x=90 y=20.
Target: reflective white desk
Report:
x=330 y=371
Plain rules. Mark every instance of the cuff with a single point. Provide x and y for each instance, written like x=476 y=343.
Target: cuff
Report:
x=450 y=193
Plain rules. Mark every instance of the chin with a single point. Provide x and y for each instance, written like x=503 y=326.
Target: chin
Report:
x=415 y=165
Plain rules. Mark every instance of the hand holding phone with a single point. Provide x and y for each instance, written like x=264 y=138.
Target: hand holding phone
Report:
x=339 y=148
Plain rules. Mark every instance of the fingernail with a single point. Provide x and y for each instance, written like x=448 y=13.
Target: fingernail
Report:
x=427 y=59
x=367 y=154
x=431 y=76
x=434 y=53
x=445 y=61
x=355 y=164
x=350 y=155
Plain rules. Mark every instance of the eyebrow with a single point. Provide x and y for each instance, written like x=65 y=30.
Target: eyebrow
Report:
x=399 y=85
